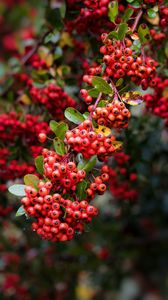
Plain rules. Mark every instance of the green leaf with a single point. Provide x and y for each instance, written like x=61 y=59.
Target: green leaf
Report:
x=144 y=33
x=88 y=164
x=102 y=103
x=17 y=190
x=53 y=16
x=86 y=115
x=113 y=10
x=81 y=190
x=93 y=92
x=128 y=13
x=20 y=211
x=113 y=34
x=135 y=4
x=53 y=125
x=63 y=9
x=151 y=13
x=74 y=115
x=59 y=146
x=31 y=180
x=101 y=85
x=61 y=130
x=58 y=53
x=123 y=28
x=39 y=163
x=119 y=82
x=52 y=37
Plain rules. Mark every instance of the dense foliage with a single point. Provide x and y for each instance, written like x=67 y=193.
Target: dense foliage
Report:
x=83 y=134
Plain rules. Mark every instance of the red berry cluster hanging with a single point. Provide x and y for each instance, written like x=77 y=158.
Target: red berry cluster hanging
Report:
x=121 y=62
x=53 y=98
x=98 y=185
x=113 y=115
x=84 y=140
x=37 y=62
x=57 y=219
x=122 y=182
x=158 y=101
x=62 y=174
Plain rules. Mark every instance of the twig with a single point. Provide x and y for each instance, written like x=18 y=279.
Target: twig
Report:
x=34 y=49
x=136 y=21
x=95 y=105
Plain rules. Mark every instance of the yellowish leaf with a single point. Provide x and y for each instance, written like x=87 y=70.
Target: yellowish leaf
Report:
x=132 y=98
x=102 y=129
x=117 y=145
x=25 y=99
x=153 y=21
x=49 y=60
x=66 y=40
x=165 y=92
x=43 y=52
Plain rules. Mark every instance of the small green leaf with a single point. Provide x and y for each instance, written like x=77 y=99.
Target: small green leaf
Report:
x=58 y=53
x=20 y=212
x=113 y=34
x=61 y=130
x=88 y=164
x=93 y=92
x=119 y=82
x=74 y=115
x=102 y=103
x=39 y=163
x=17 y=190
x=128 y=13
x=101 y=85
x=59 y=146
x=52 y=37
x=113 y=10
x=53 y=17
x=151 y=13
x=86 y=115
x=144 y=33
x=53 y=125
x=63 y=9
x=135 y=4
x=123 y=28
x=31 y=180
x=81 y=190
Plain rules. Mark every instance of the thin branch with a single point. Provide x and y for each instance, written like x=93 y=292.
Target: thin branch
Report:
x=34 y=49
x=95 y=105
x=136 y=21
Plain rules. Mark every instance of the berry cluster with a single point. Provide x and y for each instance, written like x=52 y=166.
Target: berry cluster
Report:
x=37 y=62
x=5 y=211
x=57 y=219
x=164 y=16
x=53 y=98
x=157 y=36
x=121 y=62
x=11 y=128
x=11 y=169
x=98 y=186
x=158 y=102
x=122 y=182
x=113 y=115
x=92 y=16
x=84 y=140
x=62 y=174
